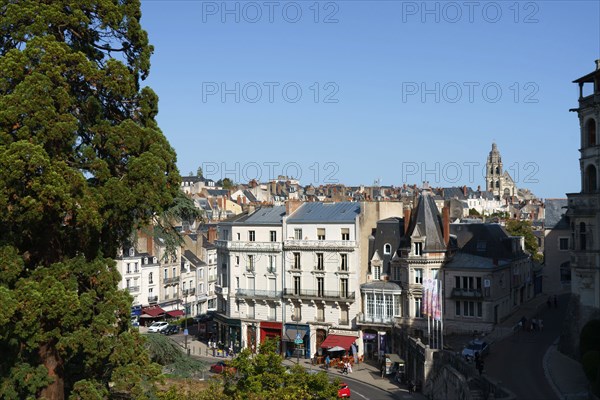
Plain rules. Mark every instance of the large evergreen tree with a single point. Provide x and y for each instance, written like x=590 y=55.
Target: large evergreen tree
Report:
x=82 y=163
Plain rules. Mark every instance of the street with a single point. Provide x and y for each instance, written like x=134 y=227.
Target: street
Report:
x=517 y=360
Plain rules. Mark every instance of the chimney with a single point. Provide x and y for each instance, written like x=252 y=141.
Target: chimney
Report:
x=406 y=219
x=446 y=221
x=464 y=190
x=212 y=234
x=150 y=244
x=291 y=206
x=239 y=200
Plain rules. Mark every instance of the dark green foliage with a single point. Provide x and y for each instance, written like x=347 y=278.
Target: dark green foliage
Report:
x=169 y=354
x=82 y=164
x=474 y=212
x=589 y=348
x=523 y=228
x=263 y=377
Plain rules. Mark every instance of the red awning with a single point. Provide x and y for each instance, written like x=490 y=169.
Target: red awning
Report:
x=175 y=313
x=152 y=312
x=338 y=340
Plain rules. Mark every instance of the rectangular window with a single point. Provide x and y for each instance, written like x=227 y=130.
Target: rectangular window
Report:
x=396 y=273
x=166 y=275
x=344 y=287
x=320 y=287
x=237 y=260
x=272 y=313
x=434 y=273
x=320 y=233
x=298 y=234
x=419 y=276
x=320 y=312
x=345 y=234
x=135 y=266
x=273 y=236
x=465 y=282
x=418 y=302
x=272 y=261
x=297 y=286
x=344 y=316
x=174 y=272
x=296 y=261
x=201 y=273
x=344 y=262
x=478 y=283
x=370 y=305
x=251 y=310
x=251 y=236
x=237 y=282
x=457 y=308
x=457 y=282
x=238 y=236
x=128 y=268
x=127 y=283
x=250 y=265
x=376 y=273
x=297 y=313
x=479 y=309
x=418 y=248
x=563 y=244
x=320 y=261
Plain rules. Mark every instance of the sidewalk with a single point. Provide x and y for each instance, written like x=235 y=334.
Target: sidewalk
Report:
x=565 y=375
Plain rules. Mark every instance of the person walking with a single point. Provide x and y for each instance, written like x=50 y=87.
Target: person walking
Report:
x=327 y=360
x=410 y=386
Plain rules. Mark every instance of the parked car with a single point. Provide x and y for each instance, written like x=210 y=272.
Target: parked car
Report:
x=158 y=326
x=220 y=366
x=171 y=330
x=475 y=346
x=344 y=390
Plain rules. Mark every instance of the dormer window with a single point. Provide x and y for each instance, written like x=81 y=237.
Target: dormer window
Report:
x=418 y=248
x=153 y=260
x=145 y=260
x=131 y=252
x=387 y=248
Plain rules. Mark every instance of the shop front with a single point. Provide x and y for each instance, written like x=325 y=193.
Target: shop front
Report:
x=228 y=332
x=296 y=340
x=271 y=330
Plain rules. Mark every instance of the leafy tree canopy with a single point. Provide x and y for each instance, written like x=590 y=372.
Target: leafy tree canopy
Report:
x=82 y=163
x=523 y=228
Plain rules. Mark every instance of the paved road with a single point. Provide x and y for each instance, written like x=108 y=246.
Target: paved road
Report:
x=517 y=360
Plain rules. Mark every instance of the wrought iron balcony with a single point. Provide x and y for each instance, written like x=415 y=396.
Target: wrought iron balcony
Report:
x=189 y=292
x=169 y=281
x=345 y=245
x=132 y=289
x=263 y=294
x=320 y=294
x=252 y=247
x=152 y=299
x=458 y=293
x=374 y=319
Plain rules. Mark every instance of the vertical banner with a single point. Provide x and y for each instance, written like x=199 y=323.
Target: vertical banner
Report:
x=437 y=301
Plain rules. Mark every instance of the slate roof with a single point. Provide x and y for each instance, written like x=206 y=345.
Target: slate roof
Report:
x=484 y=240
x=193 y=259
x=250 y=196
x=344 y=212
x=389 y=230
x=380 y=285
x=426 y=221
x=217 y=192
x=555 y=214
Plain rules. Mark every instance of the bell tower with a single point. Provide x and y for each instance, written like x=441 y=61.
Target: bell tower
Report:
x=493 y=171
x=584 y=207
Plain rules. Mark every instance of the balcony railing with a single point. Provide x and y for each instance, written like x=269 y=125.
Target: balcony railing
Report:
x=375 y=319
x=343 y=322
x=346 y=245
x=467 y=293
x=212 y=278
x=319 y=294
x=132 y=289
x=189 y=292
x=249 y=246
x=264 y=294
x=168 y=281
x=224 y=291
x=320 y=319
x=152 y=299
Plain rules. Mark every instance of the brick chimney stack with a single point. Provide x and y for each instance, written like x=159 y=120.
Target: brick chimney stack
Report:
x=446 y=222
x=291 y=205
x=464 y=190
x=406 y=219
x=212 y=234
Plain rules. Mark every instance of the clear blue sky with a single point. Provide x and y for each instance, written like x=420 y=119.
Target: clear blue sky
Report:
x=390 y=90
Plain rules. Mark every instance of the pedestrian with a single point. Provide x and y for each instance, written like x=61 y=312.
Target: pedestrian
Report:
x=327 y=360
x=555 y=302
x=540 y=325
x=349 y=367
x=533 y=324
x=410 y=386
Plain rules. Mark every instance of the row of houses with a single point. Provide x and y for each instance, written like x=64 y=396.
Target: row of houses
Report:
x=320 y=274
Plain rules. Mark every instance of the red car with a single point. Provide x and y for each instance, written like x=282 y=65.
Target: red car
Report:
x=220 y=367
x=344 y=390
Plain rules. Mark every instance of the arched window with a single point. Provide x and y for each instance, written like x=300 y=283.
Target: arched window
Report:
x=582 y=236
x=590 y=129
x=387 y=249
x=497 y=184
x=590 y=179
x=498 y=170
x=150 y=278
